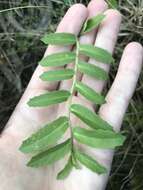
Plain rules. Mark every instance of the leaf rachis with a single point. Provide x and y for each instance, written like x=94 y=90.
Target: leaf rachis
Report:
x=72 y=91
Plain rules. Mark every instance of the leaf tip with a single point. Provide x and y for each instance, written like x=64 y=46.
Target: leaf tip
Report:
x=103 y=171
x=41 y=77
x=59 y=177
x=29 y=164
x=92 y=23
x=43 y=39
x=21 y=148
x=123 y=139
x=24 y=148
x=29 y=103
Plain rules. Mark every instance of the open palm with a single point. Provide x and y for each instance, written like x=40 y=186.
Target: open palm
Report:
x=15 y=175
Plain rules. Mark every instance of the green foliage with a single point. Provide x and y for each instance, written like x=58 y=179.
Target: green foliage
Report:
x=101 y=135
x=57 y=75
x=96 y=53
x=90 y=163
x=50 y=98
x=46 y=136
x=89 y=93
x=102 y=139
x=59 y=39
x=112 y=4
x=51 y=155
x=58 y=59
x=92 y=70
x=92 y=23
x=66 y=171
x=89 y=117
x=75 y=162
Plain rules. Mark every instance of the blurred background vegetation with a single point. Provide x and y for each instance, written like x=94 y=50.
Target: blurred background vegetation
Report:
x=20 y=50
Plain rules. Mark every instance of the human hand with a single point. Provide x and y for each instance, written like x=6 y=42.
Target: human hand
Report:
x=15 y=175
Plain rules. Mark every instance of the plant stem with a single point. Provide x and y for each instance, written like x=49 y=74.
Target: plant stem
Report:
x=72 y=90
x=23 y=7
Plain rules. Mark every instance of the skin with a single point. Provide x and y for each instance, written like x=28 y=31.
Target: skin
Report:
x=24 y=121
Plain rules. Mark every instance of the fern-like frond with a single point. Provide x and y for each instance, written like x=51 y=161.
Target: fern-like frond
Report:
x=100 y=133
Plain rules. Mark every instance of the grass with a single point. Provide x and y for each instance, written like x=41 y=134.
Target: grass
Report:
x=20 y=31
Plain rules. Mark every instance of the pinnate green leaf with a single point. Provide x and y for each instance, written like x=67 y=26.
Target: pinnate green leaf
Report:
x=90 y=163
x=92 y=70
x=92 y=23
x=57 y=75
x=58 y=59
x=59 y=39
x=97 y=53
x=66 y=171
x=89 y=93
x=89 y=117
x=51 y=155
x=48 y=135
x=50 y=98
x=102 y=139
